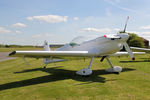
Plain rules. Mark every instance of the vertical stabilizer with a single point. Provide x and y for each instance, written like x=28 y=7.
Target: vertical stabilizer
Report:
x=46 y=46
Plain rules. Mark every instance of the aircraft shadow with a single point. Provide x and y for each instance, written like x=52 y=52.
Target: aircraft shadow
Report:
x=146 y=59
x=57 y=75
x=134 y=61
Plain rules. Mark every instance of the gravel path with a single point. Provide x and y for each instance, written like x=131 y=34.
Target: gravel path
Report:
x=4 y=56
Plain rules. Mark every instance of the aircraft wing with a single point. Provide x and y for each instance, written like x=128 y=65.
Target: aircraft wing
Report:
x=48 y=54
x=140 y=48
x=59 y=54
x=126 y=53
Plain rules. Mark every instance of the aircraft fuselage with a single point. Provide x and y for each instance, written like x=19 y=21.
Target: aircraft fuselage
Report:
x=99 y=46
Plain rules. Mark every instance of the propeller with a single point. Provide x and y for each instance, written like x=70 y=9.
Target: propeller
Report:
x=129 y=50
x=125 y=44
x=126 y=25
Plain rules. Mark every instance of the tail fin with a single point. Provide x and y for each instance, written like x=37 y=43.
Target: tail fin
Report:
x=46 y=46
x=48 y=60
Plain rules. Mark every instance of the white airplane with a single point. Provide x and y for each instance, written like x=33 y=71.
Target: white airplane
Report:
x=105 y=47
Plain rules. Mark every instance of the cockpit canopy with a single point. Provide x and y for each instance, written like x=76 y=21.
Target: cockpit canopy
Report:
x=81 y=39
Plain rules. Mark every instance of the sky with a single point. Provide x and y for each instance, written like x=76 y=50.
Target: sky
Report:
x=31 y=22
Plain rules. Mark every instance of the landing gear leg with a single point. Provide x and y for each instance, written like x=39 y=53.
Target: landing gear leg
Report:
x=45 y=66
x=86 y=71
x=113 y=69
x=25 y=61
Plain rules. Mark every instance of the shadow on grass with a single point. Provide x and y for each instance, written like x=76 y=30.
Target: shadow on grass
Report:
x=57 y=75
x=134 y=61
x=145 y=58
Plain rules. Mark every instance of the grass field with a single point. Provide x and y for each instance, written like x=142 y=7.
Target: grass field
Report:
x=59 y=82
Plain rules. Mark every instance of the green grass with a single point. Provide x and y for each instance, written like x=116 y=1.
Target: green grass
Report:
x=21 y=82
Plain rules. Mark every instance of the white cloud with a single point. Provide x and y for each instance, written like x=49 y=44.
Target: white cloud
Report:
x=49 y=18
x=18 y=25
x=30 y=18
x=146 y=33
x=116 y=29
x=140 y=33
x=145 y=27
x=96 y=30
x=100 y=30
x=4 y=30
x=18 y=32
x=76 y=18
x=45 y=35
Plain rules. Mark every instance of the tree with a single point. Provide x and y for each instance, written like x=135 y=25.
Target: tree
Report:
x=135 y=41
x=7 y=46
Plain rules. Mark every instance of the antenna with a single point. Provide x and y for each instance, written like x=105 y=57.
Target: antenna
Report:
x=125 y=25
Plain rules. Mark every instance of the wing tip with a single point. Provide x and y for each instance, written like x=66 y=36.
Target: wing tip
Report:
x=12 y=53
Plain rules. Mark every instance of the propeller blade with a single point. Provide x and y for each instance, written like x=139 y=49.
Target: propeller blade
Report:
x=129 y=50
x=126 y=25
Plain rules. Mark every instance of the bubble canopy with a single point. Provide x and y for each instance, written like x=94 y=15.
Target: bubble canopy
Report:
x=81 y=39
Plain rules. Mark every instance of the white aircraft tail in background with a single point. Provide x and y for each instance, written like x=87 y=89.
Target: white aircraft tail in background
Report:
x=46 y=48
x=48 y=60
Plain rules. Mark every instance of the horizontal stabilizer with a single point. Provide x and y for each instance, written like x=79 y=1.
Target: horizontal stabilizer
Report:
x=56 y=60
x=140 y=48
x=126 y=53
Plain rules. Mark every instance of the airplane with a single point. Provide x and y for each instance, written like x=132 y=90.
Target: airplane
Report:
x=104 y=47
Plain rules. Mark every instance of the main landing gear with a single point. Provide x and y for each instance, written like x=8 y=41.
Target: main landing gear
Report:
x=44 y=66
x=113 y=69
x=86 y=71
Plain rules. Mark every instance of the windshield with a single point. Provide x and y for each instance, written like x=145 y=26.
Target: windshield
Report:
x=80 y=39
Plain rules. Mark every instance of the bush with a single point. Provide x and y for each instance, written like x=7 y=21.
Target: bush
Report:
x=135 y=41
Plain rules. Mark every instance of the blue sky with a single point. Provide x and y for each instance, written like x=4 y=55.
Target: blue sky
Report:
x=30 y=22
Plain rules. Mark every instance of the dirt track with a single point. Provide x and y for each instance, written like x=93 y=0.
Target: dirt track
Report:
x=4 y=56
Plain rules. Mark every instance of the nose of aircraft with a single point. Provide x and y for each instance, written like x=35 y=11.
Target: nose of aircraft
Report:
x=124 y=36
